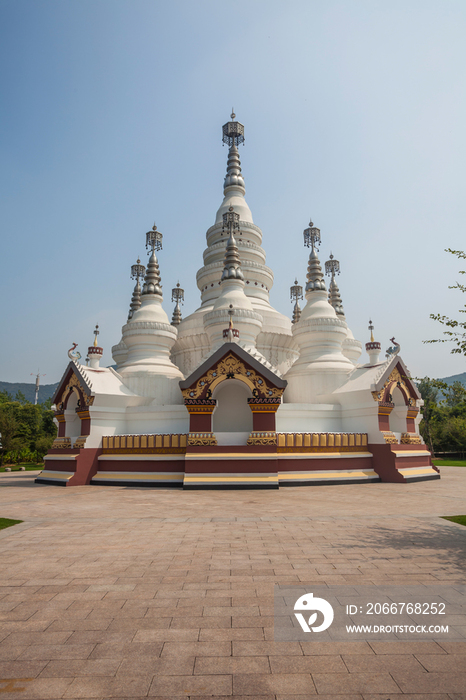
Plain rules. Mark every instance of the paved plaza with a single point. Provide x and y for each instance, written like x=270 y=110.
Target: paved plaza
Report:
x=133 y=593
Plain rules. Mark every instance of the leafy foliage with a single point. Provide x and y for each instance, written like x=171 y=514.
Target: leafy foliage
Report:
x=443 y=426
x=27 y=431
x=457 y=332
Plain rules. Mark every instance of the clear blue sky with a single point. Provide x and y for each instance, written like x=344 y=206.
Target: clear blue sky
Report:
x=111 y=119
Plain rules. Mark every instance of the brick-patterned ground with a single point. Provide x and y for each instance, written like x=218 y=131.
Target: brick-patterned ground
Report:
x=132 y=593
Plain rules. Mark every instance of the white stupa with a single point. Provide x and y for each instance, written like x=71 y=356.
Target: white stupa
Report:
x=236 y=394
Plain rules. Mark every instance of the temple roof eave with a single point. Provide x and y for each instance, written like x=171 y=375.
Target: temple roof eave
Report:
x=242 y=354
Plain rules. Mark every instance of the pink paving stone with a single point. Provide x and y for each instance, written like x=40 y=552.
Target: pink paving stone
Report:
x=191 y=685
x=257 y=683
x=205 y=563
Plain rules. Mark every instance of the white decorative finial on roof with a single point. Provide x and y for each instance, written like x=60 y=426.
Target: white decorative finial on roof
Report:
x=74 y=354
x=394 y=350
x=372 y=347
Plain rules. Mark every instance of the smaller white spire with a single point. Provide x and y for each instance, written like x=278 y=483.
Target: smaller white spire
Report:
x=137 y=273
x=315 y=276
x=373 y=348
x=296 y=292
x=178 y=297
x=94 y=351
x=332 y=267
x=231 y=334
x=232 y=262
x=152 y=277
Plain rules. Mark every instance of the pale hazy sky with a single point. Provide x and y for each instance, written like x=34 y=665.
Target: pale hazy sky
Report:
x=354 y=114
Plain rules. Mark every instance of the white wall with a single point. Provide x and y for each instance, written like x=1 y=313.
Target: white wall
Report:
x=232 y=413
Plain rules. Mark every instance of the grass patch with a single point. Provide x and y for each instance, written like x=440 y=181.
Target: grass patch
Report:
x=460 y=519
x=6 y=522
x=449 y=462
x=29 y=467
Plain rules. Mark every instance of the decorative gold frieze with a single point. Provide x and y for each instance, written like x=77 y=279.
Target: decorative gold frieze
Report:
x=80 y=443
x=203 y=410
x=410 y=439
x=264 y=407
x=202 y=439
x=389 y=437
x=262 y=438
x=395 y=379
x=75 y=383
x=61 y=442
x=230 y=367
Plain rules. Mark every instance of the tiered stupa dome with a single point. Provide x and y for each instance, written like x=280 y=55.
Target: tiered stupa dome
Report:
x=143 y=355
x=275 y=340
x=320 y=334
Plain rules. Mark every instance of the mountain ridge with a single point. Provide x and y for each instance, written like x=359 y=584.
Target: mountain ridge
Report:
x=46 y=391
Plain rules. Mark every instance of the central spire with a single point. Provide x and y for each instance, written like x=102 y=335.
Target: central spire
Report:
x=233 y=185
x=233 y=135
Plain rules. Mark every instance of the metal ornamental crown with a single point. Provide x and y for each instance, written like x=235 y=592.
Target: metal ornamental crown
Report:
x=311 y=236
x=137 y=270
x=230 y=220
x=178 y=293
x=332 y=266
x=296 y=291
x=233 y=132
x=154 y=239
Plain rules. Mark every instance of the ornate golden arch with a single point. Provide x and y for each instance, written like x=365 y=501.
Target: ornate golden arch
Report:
x=230 y=367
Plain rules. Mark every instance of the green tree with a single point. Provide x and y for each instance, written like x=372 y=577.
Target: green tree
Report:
x=429 y=392
x=27 y=429
x=9 y=428
x=456 y=332
x=455 y=395
x=42 y=446
x=20 y=397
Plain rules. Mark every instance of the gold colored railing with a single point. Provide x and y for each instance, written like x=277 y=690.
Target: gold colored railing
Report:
x=133 y=444
x=322 y=442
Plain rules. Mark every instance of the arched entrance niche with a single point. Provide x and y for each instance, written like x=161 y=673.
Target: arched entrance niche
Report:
x=232 y=417
x=72 y=420
x=399 y=413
